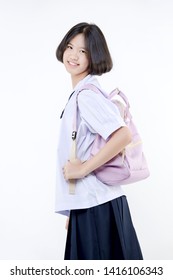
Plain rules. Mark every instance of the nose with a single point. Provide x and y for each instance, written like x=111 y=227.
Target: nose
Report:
x=74 y=55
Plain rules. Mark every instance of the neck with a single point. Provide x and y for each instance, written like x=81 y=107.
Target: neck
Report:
x=76 y=79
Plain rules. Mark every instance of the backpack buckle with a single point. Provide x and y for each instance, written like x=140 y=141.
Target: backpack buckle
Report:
x=73 y=136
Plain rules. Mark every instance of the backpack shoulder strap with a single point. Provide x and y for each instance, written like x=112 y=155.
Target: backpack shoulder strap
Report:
x=117 y=92
x=114 y=93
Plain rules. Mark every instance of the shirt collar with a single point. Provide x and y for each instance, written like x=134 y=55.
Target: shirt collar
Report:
x=88 y=79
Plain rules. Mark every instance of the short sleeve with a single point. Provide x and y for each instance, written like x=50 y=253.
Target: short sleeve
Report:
x=99 y=113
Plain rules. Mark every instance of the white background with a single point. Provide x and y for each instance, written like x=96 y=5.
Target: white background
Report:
x=34 y=88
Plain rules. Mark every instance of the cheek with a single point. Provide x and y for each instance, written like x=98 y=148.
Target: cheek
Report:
x=85 y=61
x=63 y=57
x=65 y=54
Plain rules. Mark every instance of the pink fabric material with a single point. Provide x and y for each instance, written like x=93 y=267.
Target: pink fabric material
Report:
x=127 y=167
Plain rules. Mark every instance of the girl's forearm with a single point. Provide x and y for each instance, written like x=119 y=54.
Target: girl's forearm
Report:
x=116 y=143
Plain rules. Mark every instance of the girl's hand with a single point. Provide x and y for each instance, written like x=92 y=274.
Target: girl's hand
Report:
x=73 y=170
x=67 y=223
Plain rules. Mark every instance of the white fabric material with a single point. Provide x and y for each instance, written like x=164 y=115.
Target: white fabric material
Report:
x=96 y=114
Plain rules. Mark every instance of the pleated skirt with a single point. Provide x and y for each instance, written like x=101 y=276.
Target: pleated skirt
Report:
x=103 y=232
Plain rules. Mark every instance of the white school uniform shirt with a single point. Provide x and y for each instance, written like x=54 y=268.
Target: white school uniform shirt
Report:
x=96 y=114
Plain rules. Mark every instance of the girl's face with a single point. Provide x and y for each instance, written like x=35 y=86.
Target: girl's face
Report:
x=75 y=59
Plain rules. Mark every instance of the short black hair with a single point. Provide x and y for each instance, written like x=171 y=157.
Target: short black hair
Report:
x=100 y=60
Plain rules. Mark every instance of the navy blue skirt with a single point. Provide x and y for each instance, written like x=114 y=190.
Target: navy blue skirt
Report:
x=103 y=232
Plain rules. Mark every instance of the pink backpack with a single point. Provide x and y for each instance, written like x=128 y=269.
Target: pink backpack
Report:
x=130 y=165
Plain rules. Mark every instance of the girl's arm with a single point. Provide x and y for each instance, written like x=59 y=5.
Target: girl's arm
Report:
x=67 y=223
x=117 y=142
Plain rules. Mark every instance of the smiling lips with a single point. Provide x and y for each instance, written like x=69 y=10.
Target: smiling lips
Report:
x=73 y=63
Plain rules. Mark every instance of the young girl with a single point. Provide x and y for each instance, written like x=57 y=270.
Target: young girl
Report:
x=100 y=225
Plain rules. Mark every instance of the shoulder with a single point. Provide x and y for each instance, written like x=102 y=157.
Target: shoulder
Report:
x=90 y=93
x=88 y=97
x=92 y=89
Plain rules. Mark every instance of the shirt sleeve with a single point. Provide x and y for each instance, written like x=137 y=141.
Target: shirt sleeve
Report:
x=99 y=113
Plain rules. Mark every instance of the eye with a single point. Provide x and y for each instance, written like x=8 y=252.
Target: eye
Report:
x=69 y=47
x=83 y=51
